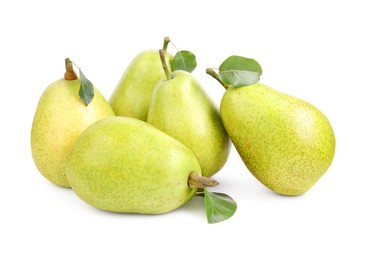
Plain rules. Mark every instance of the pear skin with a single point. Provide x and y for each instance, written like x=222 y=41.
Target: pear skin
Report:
x=133 y=92
x=123 y=164
x=285 y=142
x=60 y=118
x=181 y=108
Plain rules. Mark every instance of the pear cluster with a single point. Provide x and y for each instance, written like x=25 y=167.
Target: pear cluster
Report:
x=160 y=138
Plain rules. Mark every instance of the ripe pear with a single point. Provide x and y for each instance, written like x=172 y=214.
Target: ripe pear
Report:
x=123 y=164
x=132 y=95
x=285 y=142
x=181 y=108
x=60 y=118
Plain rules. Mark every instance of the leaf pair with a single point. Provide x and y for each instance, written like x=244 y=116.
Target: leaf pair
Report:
x=235 y=71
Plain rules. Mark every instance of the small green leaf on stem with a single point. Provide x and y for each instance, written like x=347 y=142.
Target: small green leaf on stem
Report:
x=184 y=60
x=219 y=206
x=239 y=71
x=86 y=91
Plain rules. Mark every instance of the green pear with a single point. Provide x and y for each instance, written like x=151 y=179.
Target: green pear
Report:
x=181 y=108
x=132 y=95
x=285 y=142
x=123 y=164
x=60 y=118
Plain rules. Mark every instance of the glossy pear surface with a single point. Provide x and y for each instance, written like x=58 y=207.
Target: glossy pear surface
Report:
x=60 y=118
x=122 y=164
x=285 y=142
x=133 y=92
x=181 y=108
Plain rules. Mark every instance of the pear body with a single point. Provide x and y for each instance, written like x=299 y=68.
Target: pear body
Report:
x=123 y=164
x=133 y=92
x=285 y=142
x=60 y=118
x=181 y=108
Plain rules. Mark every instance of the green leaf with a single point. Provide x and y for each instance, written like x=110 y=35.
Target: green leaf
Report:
x=184 y=60
x=239 y=71
x=86 y=91
x=219 y=206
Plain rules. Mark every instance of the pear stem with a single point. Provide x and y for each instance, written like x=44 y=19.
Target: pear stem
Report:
x=196 y=182
x=212 y=73
x=164 y=64
x=70 y=73
x=166 y=42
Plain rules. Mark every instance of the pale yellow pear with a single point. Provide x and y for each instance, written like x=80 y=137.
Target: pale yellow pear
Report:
x=285 y=142
x=123 y=164
x=60 y=118
x=132 y=95
x=181 y=108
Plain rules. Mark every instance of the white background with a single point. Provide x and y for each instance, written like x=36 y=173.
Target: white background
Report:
x=314 y=50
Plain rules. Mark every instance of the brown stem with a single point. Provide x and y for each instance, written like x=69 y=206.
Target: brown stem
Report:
x=70 y=73
x=164 y=64
x=195 y=181
x=212 y=73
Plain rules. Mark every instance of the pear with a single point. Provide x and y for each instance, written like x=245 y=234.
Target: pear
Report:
x=60 y=118
x=123 y=164
x=132 y=95
x=181 y=108
x=285 y=142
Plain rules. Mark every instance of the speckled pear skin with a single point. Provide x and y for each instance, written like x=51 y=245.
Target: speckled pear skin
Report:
x=285 y=142
x=132 y=95
x=123 y=164
x=60 y=118
x=181 y=108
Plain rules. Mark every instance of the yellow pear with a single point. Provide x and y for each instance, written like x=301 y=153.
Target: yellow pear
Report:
x=123 y=164
x=181 y=108
x=132 y=95
x=285 y=142
x=60 y=118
